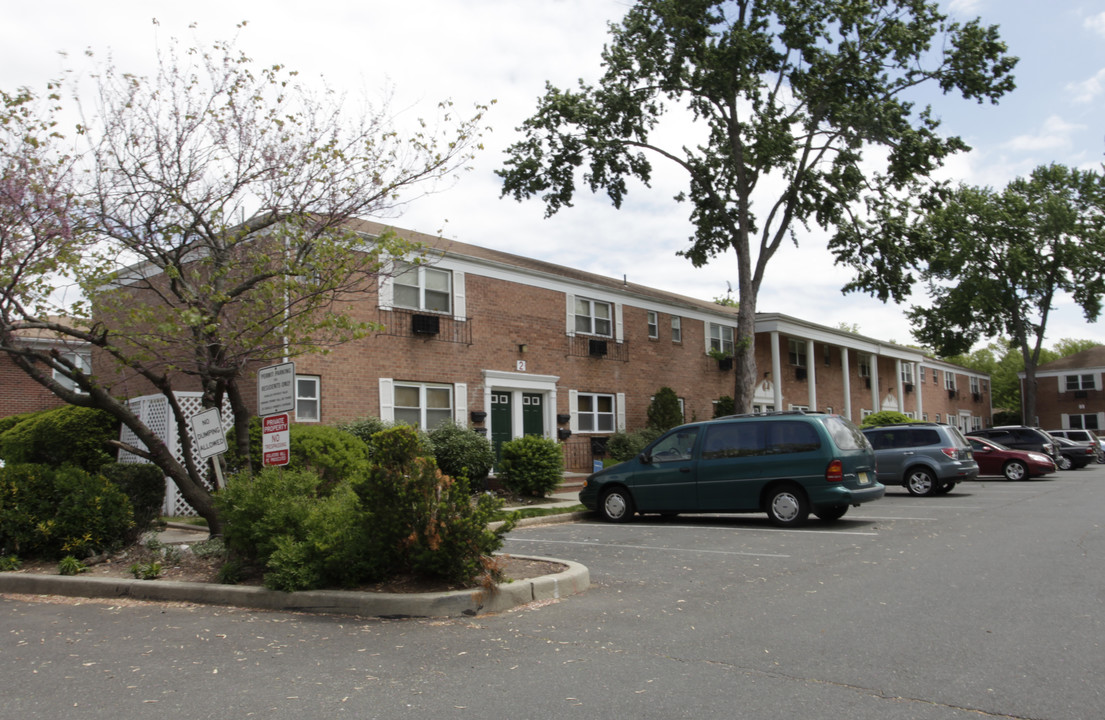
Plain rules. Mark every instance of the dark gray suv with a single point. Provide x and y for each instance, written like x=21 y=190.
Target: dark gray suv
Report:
x=1021 y=437
x=926 y=458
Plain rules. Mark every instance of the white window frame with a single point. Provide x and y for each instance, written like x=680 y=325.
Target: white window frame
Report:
x=720 y=338
x=83 y=361
x=676 y=329
x=592 y=320
x=863 y=361
x=974 y=386
x=653 y=325
x=594 y=415
x=796 y=353
x=402 y=269
x=423 y=407
x=301 y=416
x=949 y=380
x=1079 y=382
x=907 y=373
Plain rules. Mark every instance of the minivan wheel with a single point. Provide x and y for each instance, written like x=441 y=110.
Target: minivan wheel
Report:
x=921 y=482
x=787 y=506
x=1014 y=470
x=616 y=505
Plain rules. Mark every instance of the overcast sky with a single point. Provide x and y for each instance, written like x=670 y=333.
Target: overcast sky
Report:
x=475 y=51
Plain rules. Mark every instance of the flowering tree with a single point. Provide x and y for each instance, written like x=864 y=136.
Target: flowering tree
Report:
x=204 y=214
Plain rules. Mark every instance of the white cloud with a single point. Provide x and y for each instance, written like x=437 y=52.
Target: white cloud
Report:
x=1095 y=23
x=1090 y=89
x=1054 y=134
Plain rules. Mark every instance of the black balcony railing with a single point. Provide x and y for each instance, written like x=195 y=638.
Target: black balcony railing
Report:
x=399 y=322
x=598 y=348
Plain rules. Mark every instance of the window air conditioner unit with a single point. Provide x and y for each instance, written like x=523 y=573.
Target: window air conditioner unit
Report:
x=800 y=373
x=425 y=324
x=1080 y=394
x=597 y=348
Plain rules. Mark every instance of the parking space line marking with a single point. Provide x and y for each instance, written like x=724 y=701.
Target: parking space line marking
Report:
x=649 y=547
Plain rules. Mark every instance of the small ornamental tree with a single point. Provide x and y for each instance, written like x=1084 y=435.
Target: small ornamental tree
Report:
x=664 y=412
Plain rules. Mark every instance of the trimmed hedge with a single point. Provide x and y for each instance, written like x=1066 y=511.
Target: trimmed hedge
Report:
x=53 y=512
x=531 y=465
x=67 y=435
x=144 y=486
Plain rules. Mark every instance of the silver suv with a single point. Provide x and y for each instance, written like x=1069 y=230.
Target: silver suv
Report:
x=927 y=458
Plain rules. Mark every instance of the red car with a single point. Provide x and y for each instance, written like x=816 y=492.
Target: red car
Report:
x=996 y=459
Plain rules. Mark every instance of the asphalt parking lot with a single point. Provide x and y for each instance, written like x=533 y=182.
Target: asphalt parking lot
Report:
x=983 y=603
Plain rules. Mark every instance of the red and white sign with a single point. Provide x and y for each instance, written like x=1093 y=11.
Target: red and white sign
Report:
x=275 y=441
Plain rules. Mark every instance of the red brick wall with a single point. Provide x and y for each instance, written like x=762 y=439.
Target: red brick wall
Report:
x=19 y=393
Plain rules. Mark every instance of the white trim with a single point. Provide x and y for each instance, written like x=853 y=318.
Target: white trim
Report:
x=387 y=400
x=460 y=304
x=460 y=404
x=619 y=412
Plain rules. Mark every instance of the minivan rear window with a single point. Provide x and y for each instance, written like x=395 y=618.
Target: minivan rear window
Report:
x=845 y=435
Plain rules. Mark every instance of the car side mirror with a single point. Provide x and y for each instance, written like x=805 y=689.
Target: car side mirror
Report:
x=645 y=458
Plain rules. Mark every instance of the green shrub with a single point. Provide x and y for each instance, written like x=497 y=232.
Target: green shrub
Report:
x=7 y=423
x=462 y=453
x=67 y=435
x=398 y=515
x=885 y=417
x=235 y=463
x=298 y=527
x=626 y=446
x=425 y=521
x=144 y=486
x=146 y=570
x=368 y=427
x=724 y=406
x=53 y=512
x=9 y=563
x=664 y=412
x=332 y=453
x=531 y=465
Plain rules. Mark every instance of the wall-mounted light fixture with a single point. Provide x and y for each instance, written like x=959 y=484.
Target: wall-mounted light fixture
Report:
x=523 y=347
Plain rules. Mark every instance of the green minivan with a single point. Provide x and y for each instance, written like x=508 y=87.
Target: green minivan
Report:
x=786 y=464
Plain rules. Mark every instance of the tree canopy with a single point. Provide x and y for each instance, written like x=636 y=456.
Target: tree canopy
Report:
x=996 y=262
x=203 y=212
x=800 y=110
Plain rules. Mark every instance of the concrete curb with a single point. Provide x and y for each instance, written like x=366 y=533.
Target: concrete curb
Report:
x=575 y=579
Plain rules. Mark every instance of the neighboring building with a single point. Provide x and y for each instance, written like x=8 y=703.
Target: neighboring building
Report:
x=18 y=392
x=1069 y=391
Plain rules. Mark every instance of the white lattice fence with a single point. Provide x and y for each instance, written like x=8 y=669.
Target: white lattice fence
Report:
x=155 y=413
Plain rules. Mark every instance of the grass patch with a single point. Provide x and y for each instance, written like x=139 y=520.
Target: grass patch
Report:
x=185 y=520
x=522 y=513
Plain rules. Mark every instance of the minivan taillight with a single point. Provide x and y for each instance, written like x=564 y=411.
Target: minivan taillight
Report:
x=835 y=472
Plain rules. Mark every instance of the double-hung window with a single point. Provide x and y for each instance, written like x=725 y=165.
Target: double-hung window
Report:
x=595 y=412
x=594 y=317
x=949 y=380
x=907 y=373
x=1080 y=382
x=81 y=362
x=676 y=329
x=864 y=365
x=653 y=325
x=419 y=287
x=307 y=398
x=974 y=386
x=797 y=353
x=423 y=405
x=721 y=338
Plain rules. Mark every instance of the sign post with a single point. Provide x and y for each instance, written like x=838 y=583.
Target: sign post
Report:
x=207 y=429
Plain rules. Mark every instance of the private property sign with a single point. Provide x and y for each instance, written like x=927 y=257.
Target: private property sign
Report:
x=275 y=443
x=276 y=389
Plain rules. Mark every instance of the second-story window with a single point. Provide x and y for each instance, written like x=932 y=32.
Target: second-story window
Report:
x=949 y=380
x=974 y=386
x=419 y=287
x=864 y=365
x=907 y=373
x=721 y=338
x=593 y=317
x=676 y=329
x=653 y=325
x=1080 y=382
x=797 y=353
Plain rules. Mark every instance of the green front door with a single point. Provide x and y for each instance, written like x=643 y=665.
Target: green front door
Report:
x=502 y=420
x=533 y=416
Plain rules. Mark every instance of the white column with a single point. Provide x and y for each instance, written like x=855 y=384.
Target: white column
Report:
x=776 y=371
x=917 y=391
x=873 y=363
x=811 y=375
x=846 y=411
x=901 y=386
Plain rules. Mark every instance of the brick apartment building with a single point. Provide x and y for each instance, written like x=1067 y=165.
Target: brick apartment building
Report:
x=511 y=346
x=18 y=392
x=515 y=346
x=1069 y=391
